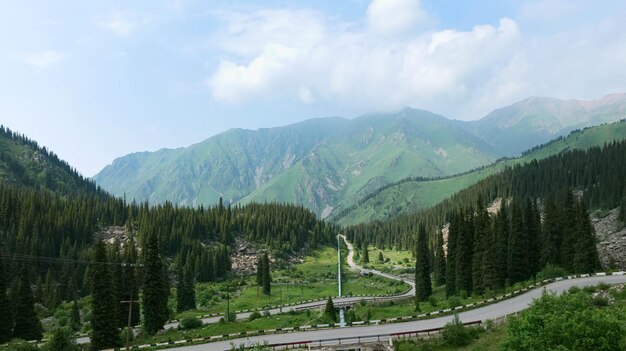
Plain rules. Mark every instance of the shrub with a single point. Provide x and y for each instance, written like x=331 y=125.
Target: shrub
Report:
x=433 y=301
x=454 y=301
x=550 y=271
x=190 y=323
x=254 y=315
x=455 y=334
x=21 y=345
x=61 y=340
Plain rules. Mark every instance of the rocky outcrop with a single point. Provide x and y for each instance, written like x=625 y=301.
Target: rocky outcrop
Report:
x=611 y=235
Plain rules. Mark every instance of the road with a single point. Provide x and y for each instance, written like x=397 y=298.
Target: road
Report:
x=493 y=311
x=308 y=305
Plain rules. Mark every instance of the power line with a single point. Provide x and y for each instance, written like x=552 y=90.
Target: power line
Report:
x=46 y=259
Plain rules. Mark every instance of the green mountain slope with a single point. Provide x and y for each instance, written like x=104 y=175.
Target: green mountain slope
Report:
x=412 y=194
x=317 y=163
x=328 y=164
x=24 y=163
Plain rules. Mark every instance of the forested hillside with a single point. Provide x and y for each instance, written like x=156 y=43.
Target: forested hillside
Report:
x=52 y=235
x=598 y=175
x=411 y=194
x=23 y=162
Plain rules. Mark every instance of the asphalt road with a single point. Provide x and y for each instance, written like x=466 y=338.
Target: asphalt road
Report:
x=493 y=311
x=309 y=305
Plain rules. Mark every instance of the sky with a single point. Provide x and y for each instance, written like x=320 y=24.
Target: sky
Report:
x=95 y=80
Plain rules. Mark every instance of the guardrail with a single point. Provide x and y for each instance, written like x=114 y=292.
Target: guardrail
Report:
x=374 y=322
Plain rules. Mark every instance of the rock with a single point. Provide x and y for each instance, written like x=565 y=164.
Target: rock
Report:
x=612 y=245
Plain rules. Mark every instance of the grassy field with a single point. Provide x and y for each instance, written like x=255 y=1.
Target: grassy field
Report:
x=409 y=196
x=393 y=260
x=315 y=278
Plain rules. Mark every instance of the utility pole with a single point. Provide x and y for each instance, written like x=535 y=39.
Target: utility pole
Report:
x=130 y=314
x=342 y=319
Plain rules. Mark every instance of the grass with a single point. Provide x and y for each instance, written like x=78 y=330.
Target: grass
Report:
x=315 y=278
x=393 y=260
x=488 y=340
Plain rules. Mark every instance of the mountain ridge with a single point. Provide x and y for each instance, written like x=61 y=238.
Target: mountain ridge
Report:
x=328 y=161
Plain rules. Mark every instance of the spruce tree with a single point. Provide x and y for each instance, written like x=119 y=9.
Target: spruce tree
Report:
x=440 y=261
x=568 y=225
x=423 y=286
x=185 y=292
x=155 y=287
x=451 y=257
x=104 y=311
x=464 y=249
x=330 y=311
x=61 y=340
x=366 y=255
x=267 y=277
x=501 y=228
x=260 y=270
x=586 y=255
x=75 y=322
x=518 y=247
x=381 y=258
x=552 y=234
x=27 y=325
x=482 y=229
x=6 y=309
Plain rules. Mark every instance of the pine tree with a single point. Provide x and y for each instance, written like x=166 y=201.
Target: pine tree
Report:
x=366 y=255
x=501 y=228
x=423 y=286
x=552 y=234
x=482 y=229
x=103 y=303
x=568 y=225
x=260 y=270
x=330 y=311
x=586 y=255
x=440 y=261
x=518 y=247
x=185 y=292
x=465 y=249
x=75 y=322
x=61 y=340
x=381 y=258
x=155 y=287
x=267 y=277
x=6 y=311
x=451 y=257
x=27 y=325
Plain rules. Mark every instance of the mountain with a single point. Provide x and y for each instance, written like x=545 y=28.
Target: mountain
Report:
x=328 y=164
x=412 y=194
x=24 y=163
x=316 y=163
x=535 y=120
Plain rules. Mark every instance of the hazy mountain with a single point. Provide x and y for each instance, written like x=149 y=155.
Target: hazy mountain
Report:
x=535 y=120
x=327 y=163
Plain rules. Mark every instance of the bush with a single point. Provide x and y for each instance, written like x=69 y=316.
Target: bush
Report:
x=550 y=271
x=455 y=334
x=190 y=323
x=254 y=315
x=433 y=301
x=21 y=345
x=454 y=301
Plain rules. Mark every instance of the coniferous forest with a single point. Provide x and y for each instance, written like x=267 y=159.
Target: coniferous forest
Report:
x=542 y=221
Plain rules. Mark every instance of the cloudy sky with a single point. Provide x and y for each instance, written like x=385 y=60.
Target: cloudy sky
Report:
x=94 y=80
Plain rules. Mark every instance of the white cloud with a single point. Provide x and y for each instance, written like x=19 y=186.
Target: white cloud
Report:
x=45 y=59
x=375 y=66
x=393 y=16
x=548 y=10
x=124 y=24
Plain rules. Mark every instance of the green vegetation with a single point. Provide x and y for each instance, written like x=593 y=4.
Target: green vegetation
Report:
x=411 y=195
x=589 y=319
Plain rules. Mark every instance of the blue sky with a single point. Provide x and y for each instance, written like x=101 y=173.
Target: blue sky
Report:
x=95 y=80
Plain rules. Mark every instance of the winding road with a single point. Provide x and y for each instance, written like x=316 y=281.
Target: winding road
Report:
x=493 y=311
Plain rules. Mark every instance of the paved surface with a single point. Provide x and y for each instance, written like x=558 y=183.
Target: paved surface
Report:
x=310 y=305
x=493 y=311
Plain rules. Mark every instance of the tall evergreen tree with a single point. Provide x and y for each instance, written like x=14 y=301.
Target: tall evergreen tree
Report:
x=518 y=247
x=155 y=287
x=586 y=255
x=27 y=325
x=451 y=256
x=330 y=311
x=501 y=229
x=482 y=230
x=267 y=277
x=75 y=322
x=104 y=324
x=440 y=261
x=568 y=225
x=185 y=292
x=552 y=234
x=464 y=248
x=423 y=285
x=6 y=310
x=366 y=255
